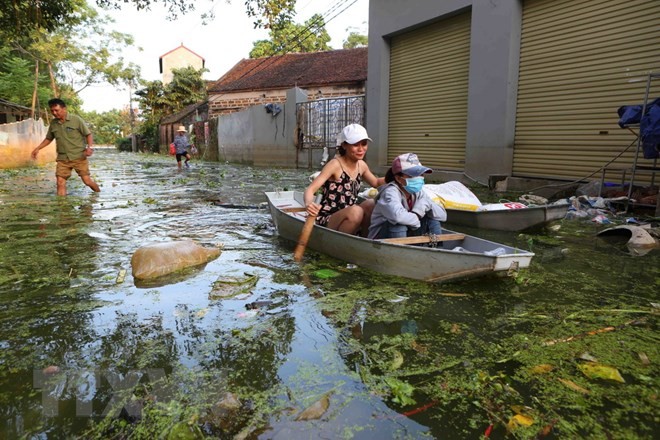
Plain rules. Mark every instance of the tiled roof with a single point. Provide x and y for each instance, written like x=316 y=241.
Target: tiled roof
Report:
x=176 y=117
x=295 y=69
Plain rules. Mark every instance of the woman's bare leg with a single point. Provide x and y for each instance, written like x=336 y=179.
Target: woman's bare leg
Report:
x=347 y=220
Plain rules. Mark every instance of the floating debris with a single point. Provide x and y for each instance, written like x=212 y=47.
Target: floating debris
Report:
x=326 y=273
x=316 y=410
x=232 y=286
x=594 y=370
x=121 y=276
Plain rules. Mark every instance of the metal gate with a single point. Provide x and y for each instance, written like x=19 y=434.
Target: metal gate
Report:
x=319 y=122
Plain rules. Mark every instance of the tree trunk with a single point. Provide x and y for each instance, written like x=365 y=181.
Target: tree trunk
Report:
x=53 y=86
x=36 y=84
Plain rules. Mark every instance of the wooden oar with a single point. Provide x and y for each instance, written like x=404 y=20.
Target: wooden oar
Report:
x=304 y=237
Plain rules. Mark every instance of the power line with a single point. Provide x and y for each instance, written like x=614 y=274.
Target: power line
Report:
x=307 y=30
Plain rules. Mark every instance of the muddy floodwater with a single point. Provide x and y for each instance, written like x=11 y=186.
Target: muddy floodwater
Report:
x=254 y=345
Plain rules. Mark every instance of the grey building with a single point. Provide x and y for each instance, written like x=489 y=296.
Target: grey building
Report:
x=526 y=88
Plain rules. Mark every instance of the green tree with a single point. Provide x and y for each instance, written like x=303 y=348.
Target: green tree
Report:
x=187 y=87
x=107 y=127
x=354 y=40
x=151 y=101
x=152 y=107
x=268 y=14
x=291 y=37
x=156 y=101
x=56 y=57
x=81 y=65
x=17 y=80
x=20 y=16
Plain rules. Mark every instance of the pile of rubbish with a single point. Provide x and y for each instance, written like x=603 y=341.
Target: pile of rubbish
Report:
x=455 y=195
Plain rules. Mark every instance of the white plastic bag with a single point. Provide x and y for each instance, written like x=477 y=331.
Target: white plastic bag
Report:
x=502 y=206
x=453 y=195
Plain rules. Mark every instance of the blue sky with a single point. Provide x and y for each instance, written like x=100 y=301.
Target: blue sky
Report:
x=222 y=43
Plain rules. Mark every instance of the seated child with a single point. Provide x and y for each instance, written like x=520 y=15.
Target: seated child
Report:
x=402 y=208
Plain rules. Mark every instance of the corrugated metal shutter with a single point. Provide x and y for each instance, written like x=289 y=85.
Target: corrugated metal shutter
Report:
x=580 y=61
x=428 y=93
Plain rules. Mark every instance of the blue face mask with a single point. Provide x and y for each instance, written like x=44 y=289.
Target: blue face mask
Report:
x=414 y=185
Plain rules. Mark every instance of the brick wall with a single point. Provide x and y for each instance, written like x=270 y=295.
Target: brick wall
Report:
x=229 y=104
x=226 y=103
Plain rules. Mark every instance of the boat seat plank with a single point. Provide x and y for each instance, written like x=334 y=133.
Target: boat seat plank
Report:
x=422 y=239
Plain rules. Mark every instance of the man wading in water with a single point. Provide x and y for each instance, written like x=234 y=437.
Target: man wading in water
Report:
x=74 y=145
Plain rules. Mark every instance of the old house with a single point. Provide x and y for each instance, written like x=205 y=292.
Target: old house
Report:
x=178 y=58
x=266 y=80
x=522 y=88
x=10 y=112
x=195 y=118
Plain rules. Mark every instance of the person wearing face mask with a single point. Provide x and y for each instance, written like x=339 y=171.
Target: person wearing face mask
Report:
x=402 y=208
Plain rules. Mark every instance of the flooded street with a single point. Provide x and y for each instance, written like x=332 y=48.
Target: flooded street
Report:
x=322 y=349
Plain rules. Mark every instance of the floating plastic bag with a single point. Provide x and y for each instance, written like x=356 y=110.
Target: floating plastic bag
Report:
x=159 y=259
x=453 y=195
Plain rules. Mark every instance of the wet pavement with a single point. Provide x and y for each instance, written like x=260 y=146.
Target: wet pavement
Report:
x=88 y=353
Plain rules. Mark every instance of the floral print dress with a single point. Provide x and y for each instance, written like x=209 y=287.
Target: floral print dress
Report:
x=338 y=194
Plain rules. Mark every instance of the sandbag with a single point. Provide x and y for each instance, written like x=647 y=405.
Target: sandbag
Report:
x=159 y=259
x=453 y=195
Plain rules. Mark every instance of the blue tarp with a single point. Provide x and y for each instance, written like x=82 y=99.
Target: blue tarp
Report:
x=649 y=125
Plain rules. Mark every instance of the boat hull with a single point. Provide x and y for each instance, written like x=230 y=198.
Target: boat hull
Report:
x=418 y=262
x=507 y=219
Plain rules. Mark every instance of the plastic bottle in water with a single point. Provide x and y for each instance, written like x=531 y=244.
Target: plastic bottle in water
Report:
x=495 y=252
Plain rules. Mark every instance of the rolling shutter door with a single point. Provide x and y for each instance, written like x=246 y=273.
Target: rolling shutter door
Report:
x=579 y=62
x=428 y=93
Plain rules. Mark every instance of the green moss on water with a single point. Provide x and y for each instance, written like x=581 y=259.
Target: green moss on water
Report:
x=454 y=357
x=481 y=369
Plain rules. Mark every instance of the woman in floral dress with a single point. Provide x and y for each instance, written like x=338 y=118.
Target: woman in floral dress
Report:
x=340 y=181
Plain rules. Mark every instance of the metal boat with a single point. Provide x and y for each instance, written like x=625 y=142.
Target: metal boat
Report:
x=507 y=219
x=447 y=257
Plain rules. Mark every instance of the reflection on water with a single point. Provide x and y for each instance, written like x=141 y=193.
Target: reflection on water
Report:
x=84 y=355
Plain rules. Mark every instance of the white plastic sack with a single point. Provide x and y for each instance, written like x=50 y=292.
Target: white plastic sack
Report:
x=159 y=259
x=501 y=206
x=453 y=195
x=369 y=193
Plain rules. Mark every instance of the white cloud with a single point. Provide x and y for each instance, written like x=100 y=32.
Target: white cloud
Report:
x=222 y=43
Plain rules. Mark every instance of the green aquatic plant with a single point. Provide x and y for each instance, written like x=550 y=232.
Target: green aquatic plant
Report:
x=401 y=391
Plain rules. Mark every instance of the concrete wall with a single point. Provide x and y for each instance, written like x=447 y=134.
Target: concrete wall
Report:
x=255 y=137
x=492 y=88
x=18 y=139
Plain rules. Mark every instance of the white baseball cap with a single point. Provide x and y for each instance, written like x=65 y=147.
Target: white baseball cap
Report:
x=352 y=134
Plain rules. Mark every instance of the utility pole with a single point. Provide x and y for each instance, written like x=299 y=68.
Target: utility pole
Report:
x=132 y=116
